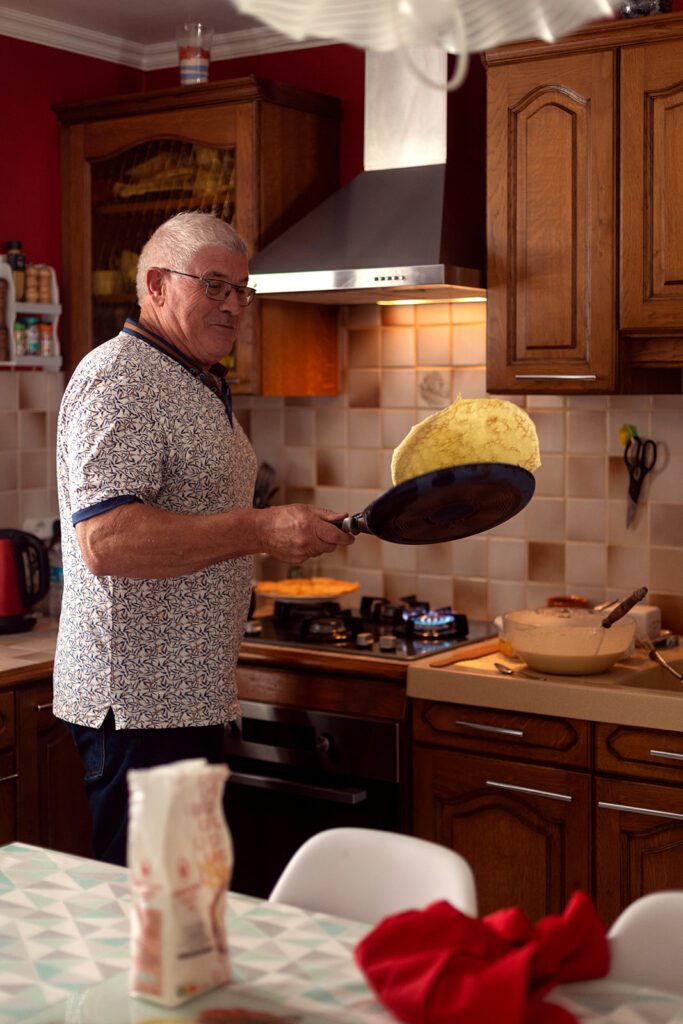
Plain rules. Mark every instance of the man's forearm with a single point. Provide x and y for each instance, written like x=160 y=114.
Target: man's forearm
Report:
x=141 y=542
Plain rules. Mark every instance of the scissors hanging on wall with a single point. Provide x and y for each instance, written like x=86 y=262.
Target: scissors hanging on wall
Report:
x=640 y=457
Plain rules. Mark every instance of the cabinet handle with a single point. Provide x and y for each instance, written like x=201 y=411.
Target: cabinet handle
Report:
x=667 y=753
x=498 y=729
x=534 y=792
x=639 y=810
x=556 y=376
x=43 y=707
x=8 y=778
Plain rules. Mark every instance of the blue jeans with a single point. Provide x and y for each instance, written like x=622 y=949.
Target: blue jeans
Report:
x=107 y=754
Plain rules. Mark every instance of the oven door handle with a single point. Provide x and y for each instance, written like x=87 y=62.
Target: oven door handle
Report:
x=275 y=785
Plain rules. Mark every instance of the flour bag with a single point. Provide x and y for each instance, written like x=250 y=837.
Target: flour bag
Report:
x=180 y=857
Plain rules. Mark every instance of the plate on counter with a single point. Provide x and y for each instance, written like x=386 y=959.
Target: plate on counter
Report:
x=312 y=588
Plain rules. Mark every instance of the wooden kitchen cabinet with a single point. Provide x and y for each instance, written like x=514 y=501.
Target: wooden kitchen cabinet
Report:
x=52 y=809
x=585 y=261
x=255 y=153
x=525 y=828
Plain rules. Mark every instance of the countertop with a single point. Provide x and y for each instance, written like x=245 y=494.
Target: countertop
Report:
x=635 y=691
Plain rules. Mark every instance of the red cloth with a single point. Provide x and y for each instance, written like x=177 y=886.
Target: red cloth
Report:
x=439 y=966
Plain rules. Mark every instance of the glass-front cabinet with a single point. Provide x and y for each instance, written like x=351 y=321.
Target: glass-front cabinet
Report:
x=253 y=152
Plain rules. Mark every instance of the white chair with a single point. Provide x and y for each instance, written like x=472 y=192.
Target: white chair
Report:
x=646 y=942
x=366 y=874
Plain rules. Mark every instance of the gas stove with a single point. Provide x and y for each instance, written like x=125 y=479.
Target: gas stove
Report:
x=402 y=631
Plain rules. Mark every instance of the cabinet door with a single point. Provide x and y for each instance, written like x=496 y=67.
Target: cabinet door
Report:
x=651 y=198
x=638 y=842
x=52 y=809
x=550 y=224
x=524 y=829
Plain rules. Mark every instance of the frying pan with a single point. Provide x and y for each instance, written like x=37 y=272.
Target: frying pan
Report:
x=445 y=504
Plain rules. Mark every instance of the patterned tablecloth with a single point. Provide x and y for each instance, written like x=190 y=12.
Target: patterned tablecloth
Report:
x=64 y=958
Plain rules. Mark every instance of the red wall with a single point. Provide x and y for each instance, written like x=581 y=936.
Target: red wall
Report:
x=35 y=77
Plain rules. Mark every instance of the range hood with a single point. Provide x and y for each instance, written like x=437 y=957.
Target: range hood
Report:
x=402 y=229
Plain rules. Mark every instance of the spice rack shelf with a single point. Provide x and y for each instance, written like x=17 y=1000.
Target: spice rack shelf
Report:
x=45 y=310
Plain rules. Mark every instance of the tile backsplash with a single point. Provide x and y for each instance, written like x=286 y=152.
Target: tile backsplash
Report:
x=400 y=364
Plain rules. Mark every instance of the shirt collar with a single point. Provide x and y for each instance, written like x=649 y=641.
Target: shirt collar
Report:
x=214 y=378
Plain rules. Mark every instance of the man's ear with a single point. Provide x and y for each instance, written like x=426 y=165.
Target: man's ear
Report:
x=155 y=285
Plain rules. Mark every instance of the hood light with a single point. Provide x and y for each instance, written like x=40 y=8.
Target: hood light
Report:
x=427 y=302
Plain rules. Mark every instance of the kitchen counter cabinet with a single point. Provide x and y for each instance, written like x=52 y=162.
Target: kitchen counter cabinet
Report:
x=257 y=153
x=584 y=276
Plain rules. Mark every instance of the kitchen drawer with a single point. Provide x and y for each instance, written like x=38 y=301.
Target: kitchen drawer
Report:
x=507 y=733
x=6 y=720
x=642 y=753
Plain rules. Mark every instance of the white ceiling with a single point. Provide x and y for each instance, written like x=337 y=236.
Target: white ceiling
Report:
x=139 y=33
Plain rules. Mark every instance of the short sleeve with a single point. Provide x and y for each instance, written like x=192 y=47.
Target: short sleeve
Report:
x=114 y=443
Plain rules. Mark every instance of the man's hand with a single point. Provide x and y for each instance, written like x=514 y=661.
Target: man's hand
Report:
x=293 y=533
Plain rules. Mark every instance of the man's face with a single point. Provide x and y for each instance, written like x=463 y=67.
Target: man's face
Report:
x=204 y=328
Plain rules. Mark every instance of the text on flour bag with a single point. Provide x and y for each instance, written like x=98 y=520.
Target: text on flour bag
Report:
x=180 y=857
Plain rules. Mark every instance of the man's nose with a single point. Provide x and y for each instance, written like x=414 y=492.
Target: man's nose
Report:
x=232 y=304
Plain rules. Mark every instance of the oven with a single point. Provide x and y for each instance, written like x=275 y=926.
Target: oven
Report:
x=294 y=772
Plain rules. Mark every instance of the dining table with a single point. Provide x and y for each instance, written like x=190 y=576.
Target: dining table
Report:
x=65 y=955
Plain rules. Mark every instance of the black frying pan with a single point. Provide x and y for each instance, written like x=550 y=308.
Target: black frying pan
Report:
x=446 y=504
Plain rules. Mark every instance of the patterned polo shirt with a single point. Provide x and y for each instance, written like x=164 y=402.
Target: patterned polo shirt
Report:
x=137 y=423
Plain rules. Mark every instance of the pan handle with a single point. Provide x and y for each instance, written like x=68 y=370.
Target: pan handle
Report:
x=352 y=524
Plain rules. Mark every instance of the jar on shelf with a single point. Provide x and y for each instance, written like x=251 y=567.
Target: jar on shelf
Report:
x=32 y=335
x=44 y=283
x=17 y=262
x=19 y=334
x=31 y=284
x=46 y=339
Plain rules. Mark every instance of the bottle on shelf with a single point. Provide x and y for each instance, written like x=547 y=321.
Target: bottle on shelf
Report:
x=17 y=262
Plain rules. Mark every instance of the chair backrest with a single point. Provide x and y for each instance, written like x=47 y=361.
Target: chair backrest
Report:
x=366 y=874
x=646 y=942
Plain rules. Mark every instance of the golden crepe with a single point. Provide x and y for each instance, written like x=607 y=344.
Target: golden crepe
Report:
x=311 y=587
x=471 y=430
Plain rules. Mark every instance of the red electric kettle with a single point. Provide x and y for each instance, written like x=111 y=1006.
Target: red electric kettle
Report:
x=24 y=579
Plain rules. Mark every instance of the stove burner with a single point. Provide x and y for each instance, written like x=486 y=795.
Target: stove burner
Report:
x=434 y=624
x=326 y=629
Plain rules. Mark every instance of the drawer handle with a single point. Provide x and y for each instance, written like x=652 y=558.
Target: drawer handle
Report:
x=8 y=778
x=43 y=707
x=639 y=810
x=555 y=376
x=534 y=792
x=497 y=729
x=667 y=753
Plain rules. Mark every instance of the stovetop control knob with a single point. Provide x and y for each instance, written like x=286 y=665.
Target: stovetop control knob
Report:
x=252 y=627
x=364 y=639
x=387 y=642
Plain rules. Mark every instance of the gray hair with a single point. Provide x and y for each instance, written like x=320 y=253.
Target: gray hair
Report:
x=176 y=242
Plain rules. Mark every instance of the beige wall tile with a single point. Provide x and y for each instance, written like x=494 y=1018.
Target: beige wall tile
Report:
x=546 y=562
x=398 y=389
x=471 y=597
x=586 y=476
x=546 y=519
x=366 y=553
x=331 y=426
x=299 y=426
x=396 y=424
x=507 y=559
x=363 y=315
x=666 y=481
x=399 y=557
x=365 y=428
x=33 y=391
x=586 y=431
x=364 y=348
x=544 y=402
x=550 y=477
x=371 y=582
x=9 y=430
x=515 y=527
x=434 y=559
x=434 y=389
x=299 y=467
x=666 y=570
x=468 y=312
x=9 y=510
x=469 y=382
x=364 y=388
x=433 y=313
x=55 y=389
x=468 y=344
x=550 y=430
x=299 y=495
x=586 y=565
x=672 y=610
x=335 y=498
x=268 y=427
x=666 y=426
x=32 y=469
x=470 y=556
x=364 y=468
x=627 y=568
x=398 y=346
x=331 y=467
x=438 y=590
x=434 y=345
x=9 y=471
x=32 y=429
x=617 y=418
x=666 y=526
x=37 y=504
x=586 y=519
x=505 y=596
x=399 y=584
x=617 y=530
x=397 y=315
x=9 y=391
x=584 y=402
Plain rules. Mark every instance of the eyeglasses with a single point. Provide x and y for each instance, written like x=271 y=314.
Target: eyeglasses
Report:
x=215 y=288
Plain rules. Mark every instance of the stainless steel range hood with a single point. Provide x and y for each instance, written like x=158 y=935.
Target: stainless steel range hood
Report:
x=397 y=230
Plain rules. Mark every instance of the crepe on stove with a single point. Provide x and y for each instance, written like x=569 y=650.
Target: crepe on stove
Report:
x=305 y=587
x=473 y=430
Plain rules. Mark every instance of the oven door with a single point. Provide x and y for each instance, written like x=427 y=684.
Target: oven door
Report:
x=295 y=773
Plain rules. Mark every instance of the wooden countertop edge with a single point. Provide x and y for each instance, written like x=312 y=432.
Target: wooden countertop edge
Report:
x=36 y=671
x=288 y=657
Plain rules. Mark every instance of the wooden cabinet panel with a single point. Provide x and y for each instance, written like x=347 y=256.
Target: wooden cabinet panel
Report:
x=645 y=753
x=638 y=842
x=551 y=235
x=53 y=810
x=8 y=798
x=6 y=720
x=507 y=733
x=651 y=127
x=524 y=829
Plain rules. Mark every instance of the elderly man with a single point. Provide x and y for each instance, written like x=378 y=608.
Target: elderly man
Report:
x=155 y=479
